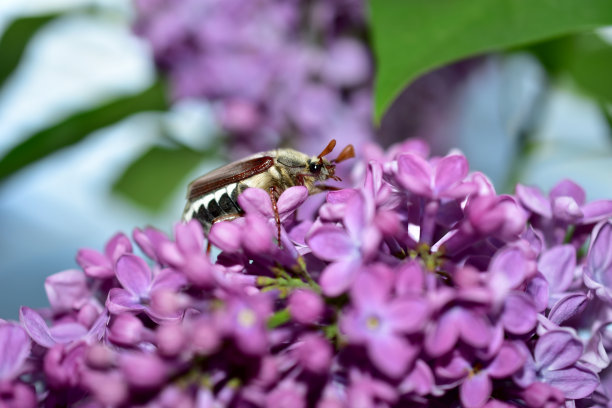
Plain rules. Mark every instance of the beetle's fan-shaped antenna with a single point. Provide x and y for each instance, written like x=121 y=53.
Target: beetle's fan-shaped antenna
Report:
x=328 y=149
x=347 y=153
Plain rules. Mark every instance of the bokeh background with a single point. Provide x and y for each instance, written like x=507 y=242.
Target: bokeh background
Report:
x=108 y=109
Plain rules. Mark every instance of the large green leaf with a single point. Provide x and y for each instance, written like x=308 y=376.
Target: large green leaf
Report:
x=413 y=36
x=15 y=40
x=154 y=177
x=585 y=57
x=591 y=66
x=79 y=126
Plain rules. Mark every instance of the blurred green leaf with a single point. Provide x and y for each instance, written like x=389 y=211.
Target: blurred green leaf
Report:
x=78 y=127
x=587 y=58
x=152 y=179
x=591 y=66
x=411 y=37
x=15 y=40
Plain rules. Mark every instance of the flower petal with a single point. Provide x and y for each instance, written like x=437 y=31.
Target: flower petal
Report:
x=449 y=171
x=566 y=209
x=408 y=315
x=534 y=200
x=143 y=370
x=168 y=279
x=257 y=201
x=189 y=237
x=574 y=382
x=355 y=216
x=556 y=350
x=66 y=290
x=14 y=349
x=391 y=354
x=36 y=327
x=507 y=361
x=537 y=289
x=94 y=263
x=149 y=240
x=120 y=300
x=117 y=246
x=67 y=332
x=599 y=258
x=519 y=315
x=567 y=188
x=134 y=274
x=596 y=211
x=508 y=268
x=290 y=200
x=567 y=307
x=258 y=236
x=475 y=391
x=443 y=335
x=474 y=328
x=452 y=367
x=420 y=380
x=331 y=243
x=338 y=276
x=557 y=265
x=410 y=278
x=415 y=174
x=226 y=235
x=372 y=286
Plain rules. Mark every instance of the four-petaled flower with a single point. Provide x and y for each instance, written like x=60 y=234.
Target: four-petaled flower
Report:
x=140 y=286
x=381 y=322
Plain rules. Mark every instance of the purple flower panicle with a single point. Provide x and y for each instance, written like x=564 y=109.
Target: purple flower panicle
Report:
x=418 y=287
x=271 y=68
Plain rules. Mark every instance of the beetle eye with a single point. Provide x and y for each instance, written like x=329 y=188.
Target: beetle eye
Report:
x=315 y=167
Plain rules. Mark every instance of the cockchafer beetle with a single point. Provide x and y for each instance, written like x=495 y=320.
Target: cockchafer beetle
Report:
x=213 y=197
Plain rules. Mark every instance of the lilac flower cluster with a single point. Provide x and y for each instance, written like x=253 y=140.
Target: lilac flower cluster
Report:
x=276 y=70
x=420 y=287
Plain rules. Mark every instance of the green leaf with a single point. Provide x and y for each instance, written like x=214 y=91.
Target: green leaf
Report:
x=587 y=58
x=79 y=126
x=154 y=177
x=414 y=36
x=591 y=66
x=15 y=40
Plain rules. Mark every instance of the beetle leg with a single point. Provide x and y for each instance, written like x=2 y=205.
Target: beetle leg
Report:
x=273 y=197
x=226 y=217
x=300 y=179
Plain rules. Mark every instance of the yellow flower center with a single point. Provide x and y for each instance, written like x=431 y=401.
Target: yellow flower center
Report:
x=246 y=318
x=372 y=323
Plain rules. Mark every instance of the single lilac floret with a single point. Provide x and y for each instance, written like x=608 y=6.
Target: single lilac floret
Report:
x=347 y=248
x=98 y=265
x=379 y=322
x=140 y=286
x=555 y=362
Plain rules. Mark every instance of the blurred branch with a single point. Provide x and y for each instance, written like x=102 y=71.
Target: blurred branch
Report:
x=78 y=126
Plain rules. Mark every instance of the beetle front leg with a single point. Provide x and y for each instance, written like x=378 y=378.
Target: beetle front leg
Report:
x=274 y=193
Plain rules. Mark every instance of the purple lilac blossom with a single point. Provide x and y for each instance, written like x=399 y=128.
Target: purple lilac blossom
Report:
x=274 y=70
x=413 y=288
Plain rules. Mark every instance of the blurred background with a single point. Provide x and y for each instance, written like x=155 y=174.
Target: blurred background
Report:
x=109 y=108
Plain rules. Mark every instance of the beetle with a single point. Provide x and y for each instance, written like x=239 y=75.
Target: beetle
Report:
x=213 y=197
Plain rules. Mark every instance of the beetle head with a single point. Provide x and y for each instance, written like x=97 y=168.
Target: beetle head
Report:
x=322 y=169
